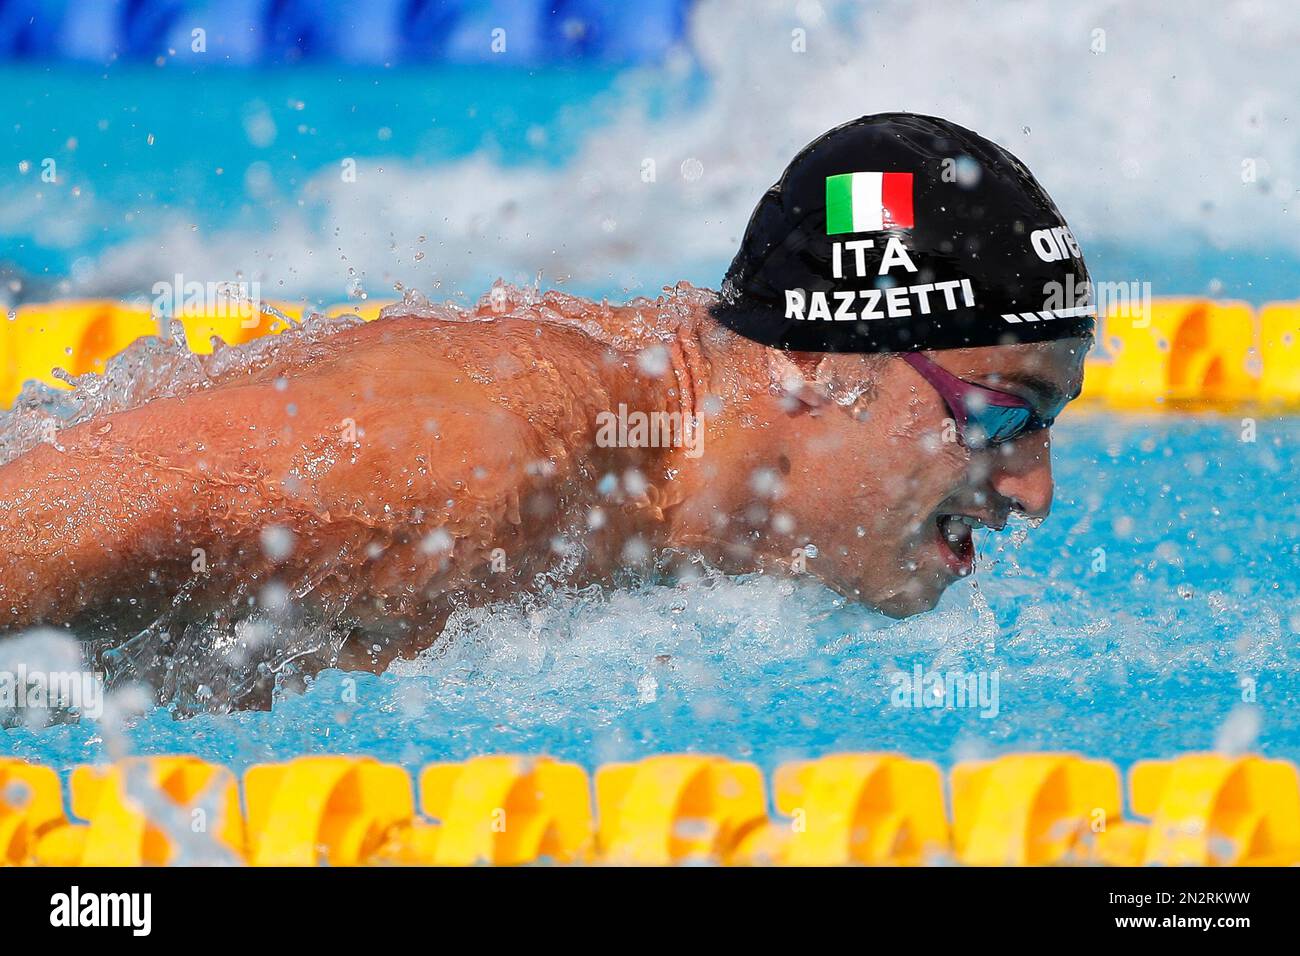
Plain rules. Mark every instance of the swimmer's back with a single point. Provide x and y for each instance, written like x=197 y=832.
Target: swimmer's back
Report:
x=361 y=444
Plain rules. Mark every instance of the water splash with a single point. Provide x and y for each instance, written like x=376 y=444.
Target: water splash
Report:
x=268 y=633
x=149 y=368
x=1163 y=635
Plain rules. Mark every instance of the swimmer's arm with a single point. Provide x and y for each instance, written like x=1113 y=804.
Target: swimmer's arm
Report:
x=132 y=499
x=122 y=507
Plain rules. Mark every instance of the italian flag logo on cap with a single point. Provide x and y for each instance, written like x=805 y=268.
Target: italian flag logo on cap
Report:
x=868 y=202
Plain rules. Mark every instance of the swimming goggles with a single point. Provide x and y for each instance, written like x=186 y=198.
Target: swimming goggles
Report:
x=984 y=416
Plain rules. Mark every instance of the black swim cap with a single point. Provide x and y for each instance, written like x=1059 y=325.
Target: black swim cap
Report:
x=898 y=232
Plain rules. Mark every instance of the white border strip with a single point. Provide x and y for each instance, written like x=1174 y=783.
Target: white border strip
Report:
x=1070 y=313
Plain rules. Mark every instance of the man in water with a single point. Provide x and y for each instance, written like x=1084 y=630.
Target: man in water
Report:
x=875 y=381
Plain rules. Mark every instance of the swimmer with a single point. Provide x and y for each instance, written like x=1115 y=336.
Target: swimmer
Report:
x=876 y=380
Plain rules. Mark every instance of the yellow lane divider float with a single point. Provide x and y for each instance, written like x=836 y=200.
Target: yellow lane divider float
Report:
x=335 y=810
x=31 y=806
x=1172 y=352
x=672 y=809
x=539 y=809
x=129 y=807
x=874 y=809
x=1213 y=810
x=854 y=808
x=1198 y=352
x=1031 y=809
x=80 y=336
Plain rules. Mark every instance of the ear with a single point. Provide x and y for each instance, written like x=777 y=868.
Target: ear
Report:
x=796 y=373
x=807 y=362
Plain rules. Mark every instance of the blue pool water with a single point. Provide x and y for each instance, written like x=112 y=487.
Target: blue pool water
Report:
x=1200 y=591
x=139 y=150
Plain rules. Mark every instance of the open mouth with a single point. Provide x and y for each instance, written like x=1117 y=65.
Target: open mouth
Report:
x=956 y=542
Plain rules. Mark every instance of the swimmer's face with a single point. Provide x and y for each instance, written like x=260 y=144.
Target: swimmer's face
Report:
x=909 y=493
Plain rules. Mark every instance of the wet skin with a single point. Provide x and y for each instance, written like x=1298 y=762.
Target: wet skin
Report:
x=873 y=483
x=398 y=469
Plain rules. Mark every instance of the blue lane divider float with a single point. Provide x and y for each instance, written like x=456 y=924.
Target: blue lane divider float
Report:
x=378 y=32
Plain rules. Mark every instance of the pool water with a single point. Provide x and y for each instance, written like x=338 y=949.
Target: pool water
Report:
x=1156 y=612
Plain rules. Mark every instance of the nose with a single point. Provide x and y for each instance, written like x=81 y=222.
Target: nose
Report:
x=1021 y=470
